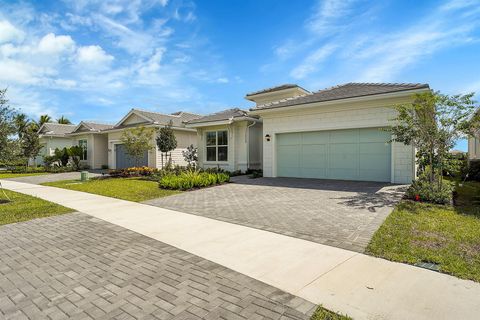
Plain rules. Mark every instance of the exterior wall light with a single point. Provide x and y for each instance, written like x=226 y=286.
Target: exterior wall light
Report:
x=267 y=137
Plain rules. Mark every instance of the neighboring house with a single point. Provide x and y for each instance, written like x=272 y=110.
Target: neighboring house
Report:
x=474 y=147
x=335 y=133
x=230 y=140
x=94 y=142
x=117 y=156
x=53 y=136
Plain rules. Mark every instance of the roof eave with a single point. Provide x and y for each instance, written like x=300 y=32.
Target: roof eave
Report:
x=255 y=111
x=221 y=122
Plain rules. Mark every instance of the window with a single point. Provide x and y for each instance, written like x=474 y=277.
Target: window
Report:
x=217 y=145
x=83 y=144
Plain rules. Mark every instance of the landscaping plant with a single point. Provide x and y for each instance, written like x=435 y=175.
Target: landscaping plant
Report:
x=9 y=146
x=75 y=153
x=433 y=123
x=192 y=179
x=191 y=156
x=137 y=141
x=166 y=142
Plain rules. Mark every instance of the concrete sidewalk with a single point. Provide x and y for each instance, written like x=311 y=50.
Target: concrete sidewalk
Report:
x=361 y=286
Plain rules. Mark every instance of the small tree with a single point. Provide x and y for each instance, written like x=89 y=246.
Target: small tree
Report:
x=8 y=144
x=191 y=156
x=166 y=141
x=137 y=141
x=30 y=144
x=75 y=152
x=432 y=123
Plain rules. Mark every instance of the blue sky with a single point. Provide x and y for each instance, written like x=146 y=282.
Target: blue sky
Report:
x=95 y=60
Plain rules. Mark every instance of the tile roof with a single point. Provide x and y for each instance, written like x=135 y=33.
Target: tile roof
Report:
x=177 y=118
x=221 y=115
x=344 y=91
x=273 y=89
x=51 y=128
x=97 y=126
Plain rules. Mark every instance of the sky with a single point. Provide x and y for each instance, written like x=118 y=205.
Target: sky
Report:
x=96 y=59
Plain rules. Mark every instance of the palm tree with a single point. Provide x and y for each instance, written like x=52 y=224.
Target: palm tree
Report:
x=63 y=120
x=44 y=118
x=22 y=123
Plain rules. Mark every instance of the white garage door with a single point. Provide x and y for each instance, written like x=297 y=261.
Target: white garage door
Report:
x=355 y=154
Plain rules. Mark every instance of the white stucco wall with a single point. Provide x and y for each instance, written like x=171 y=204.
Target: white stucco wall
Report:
x=338 y=116
x=50 y=144
x=244 y=149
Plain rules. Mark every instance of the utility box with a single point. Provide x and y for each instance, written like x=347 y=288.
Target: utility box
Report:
x=84 y=175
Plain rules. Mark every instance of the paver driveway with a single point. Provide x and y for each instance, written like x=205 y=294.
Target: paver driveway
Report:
x=343 y=214
x=78 y=267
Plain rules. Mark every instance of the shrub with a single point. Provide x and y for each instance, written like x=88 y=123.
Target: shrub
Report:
x=192 y=179
x=473 y=170
x=133 y=172
x=424 y=190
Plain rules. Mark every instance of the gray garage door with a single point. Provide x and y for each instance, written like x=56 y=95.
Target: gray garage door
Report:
x=357 y=154
x=123 y=160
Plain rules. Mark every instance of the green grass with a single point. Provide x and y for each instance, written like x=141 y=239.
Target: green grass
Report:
x=446 y=235
x=324 y=314
x=16 y=175
x=130 y=189
x=23 y=208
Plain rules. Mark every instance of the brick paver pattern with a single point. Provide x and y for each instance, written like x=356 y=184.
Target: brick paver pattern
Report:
x=343 y=214
x=78 y=267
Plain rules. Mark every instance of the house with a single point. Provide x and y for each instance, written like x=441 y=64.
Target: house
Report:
x=90 y=136
x=53 y=136
x=474 y=145
x=230 y=139
x=116 y=153
x=335 y=133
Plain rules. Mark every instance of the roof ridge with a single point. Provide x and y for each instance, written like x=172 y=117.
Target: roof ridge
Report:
x=60 y=124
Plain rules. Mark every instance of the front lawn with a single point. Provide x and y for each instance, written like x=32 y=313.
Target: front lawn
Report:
x=324 y=314
x=17 y=175
x=445 y=235
x=23 y=207
x=131 y=189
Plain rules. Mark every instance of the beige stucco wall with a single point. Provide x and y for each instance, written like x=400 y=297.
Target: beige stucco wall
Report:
x=184 y=139
x=474 y=147
x=375 y=113
x=90 y=148
x=100 y=151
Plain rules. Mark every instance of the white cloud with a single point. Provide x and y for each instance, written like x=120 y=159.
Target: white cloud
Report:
x=223 y=80
x=327 y=15
x=9 y=33
x=93 y=56
x=313 y=61
x=52 y=44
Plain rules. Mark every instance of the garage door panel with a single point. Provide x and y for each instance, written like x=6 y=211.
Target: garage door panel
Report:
x=289 y=139
x=373 y=135
x=315 y=138
x=313 y=156
x=374 y=148
x=354 y=154
x=344 y=136
x=343 y=148
x=288 y=160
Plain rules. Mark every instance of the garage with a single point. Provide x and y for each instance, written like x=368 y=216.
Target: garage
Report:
x=353 y=154
x=123 y=160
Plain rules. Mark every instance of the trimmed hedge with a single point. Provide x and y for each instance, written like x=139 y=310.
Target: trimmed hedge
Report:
x=191 y=180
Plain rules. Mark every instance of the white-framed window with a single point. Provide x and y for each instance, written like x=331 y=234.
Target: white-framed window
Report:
x=217 y=145
x=83 y=144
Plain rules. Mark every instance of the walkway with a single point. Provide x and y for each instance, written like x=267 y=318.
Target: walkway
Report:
x=361 y=286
